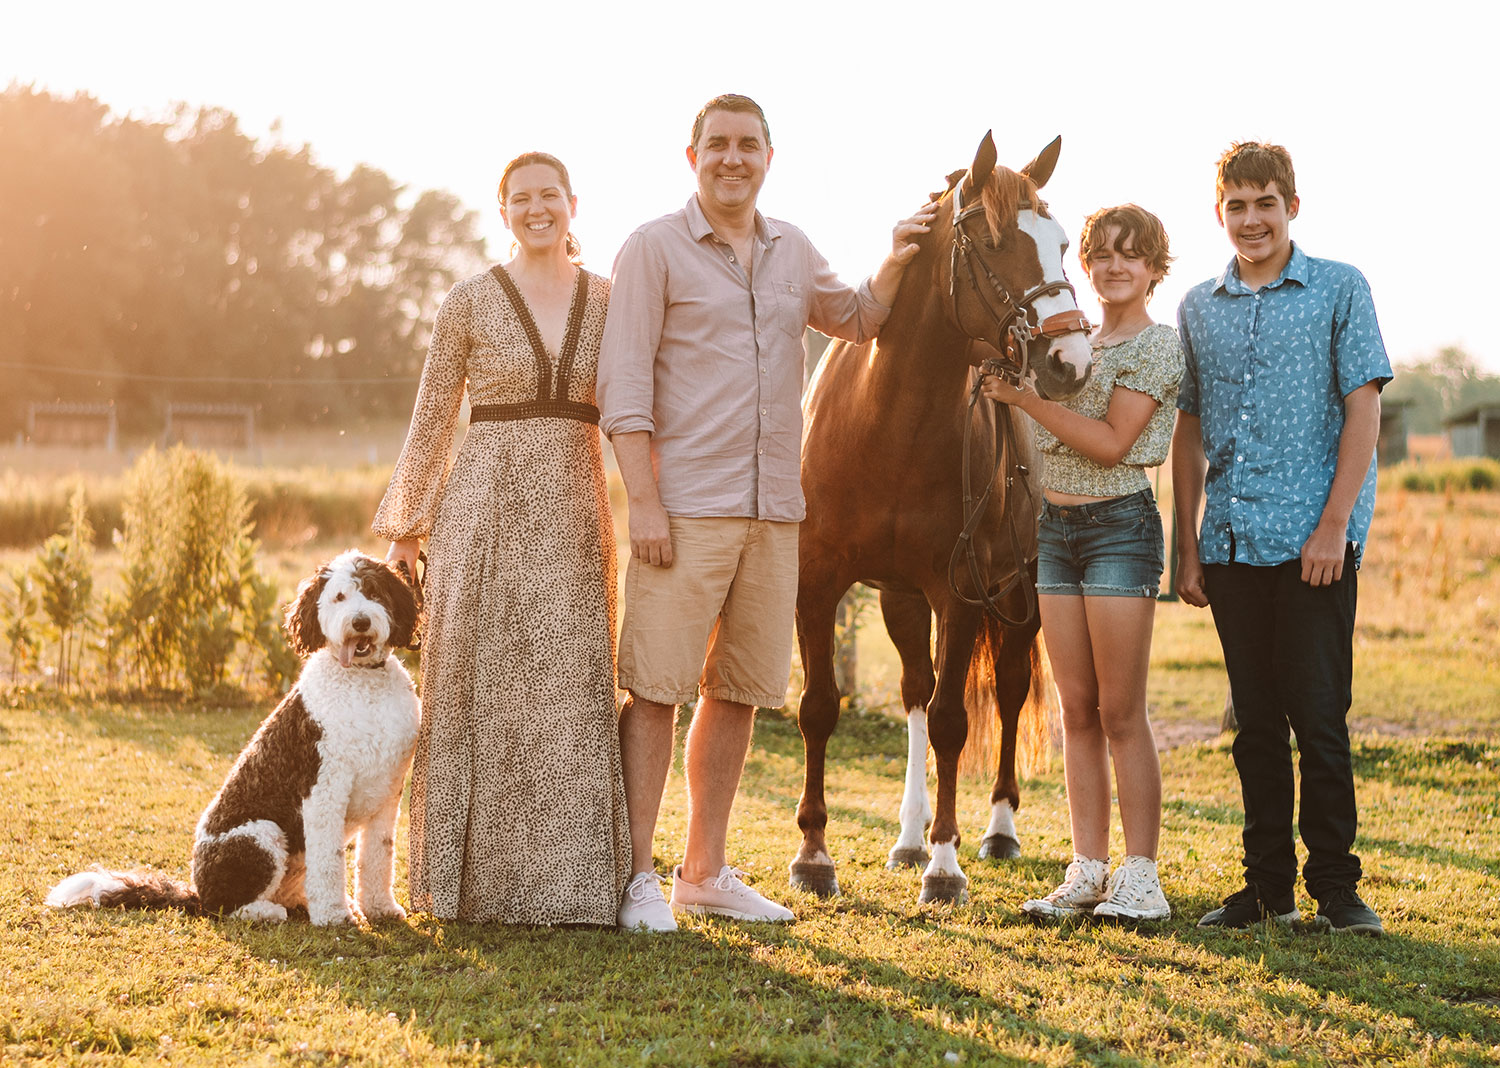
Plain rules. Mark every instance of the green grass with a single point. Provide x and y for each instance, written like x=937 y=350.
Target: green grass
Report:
x=868 y=978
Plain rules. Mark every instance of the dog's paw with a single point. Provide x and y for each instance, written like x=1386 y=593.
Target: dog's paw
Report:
x=260 y=912
x=333 y=917
x=378 y=911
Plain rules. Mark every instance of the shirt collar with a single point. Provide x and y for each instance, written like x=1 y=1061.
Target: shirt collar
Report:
x=699 y=227
x=1297 y=270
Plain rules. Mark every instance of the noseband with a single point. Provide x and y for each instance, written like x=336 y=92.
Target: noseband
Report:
x=1010 y=318
x=1013 y=335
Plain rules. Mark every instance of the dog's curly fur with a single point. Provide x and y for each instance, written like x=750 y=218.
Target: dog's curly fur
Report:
x=326 y=766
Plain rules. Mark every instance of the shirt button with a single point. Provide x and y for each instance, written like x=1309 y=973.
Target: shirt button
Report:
x=1234 y=500
x=762 y=411
x=1244 y=415
x=1239 y=459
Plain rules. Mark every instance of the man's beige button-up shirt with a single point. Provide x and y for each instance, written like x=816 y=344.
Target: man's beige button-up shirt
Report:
x=711 y=364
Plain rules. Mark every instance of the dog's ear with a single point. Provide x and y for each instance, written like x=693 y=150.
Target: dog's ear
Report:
x=394 y=591
x=302 y=629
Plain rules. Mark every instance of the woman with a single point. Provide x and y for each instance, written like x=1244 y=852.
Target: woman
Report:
x=518 y=806
x=1099 y=565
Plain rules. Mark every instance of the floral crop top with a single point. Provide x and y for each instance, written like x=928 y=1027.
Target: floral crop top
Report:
x=1150 y=363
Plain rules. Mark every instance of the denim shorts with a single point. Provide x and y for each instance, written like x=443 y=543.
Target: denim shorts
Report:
x=1111 y=548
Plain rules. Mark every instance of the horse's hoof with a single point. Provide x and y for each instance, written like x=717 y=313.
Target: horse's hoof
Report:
x=814 y=877
x=908 y=857
x=999 y=847
x=944 y=889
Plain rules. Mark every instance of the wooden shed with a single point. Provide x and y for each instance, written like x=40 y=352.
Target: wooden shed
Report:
x=1475 y=431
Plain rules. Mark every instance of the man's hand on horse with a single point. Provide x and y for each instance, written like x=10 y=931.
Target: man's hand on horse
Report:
x=903 y=238
x=650 y=535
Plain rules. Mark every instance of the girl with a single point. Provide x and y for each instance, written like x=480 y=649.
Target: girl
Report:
x=1099 y=565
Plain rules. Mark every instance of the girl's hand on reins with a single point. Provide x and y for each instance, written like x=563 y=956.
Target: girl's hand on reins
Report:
x=1001 y=391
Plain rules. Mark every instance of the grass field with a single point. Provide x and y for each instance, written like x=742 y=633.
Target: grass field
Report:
x=867 y=978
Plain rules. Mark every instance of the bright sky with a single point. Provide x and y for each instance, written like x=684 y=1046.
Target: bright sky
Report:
x=1388 y=111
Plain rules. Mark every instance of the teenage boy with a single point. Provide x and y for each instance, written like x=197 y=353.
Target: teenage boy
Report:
x=1280 y=407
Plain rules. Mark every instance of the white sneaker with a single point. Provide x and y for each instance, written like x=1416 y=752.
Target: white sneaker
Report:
x=725 y=895
x=1081 y=889
x=643 y=907
x=1135 y=893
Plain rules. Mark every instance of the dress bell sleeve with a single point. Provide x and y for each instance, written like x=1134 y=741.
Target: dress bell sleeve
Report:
x=411 y=501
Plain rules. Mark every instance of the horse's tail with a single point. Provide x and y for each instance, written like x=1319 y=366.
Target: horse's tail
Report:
x=1039 y=711
x=138 y=889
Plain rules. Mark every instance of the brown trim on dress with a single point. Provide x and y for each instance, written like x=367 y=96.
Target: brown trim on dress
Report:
x=551 y=393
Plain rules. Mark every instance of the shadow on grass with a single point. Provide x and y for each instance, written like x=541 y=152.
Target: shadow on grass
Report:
x=699 y=997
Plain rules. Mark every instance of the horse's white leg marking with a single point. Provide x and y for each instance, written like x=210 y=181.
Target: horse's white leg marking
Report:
x=944 y=862
x=916 y=809
x=1002 y=821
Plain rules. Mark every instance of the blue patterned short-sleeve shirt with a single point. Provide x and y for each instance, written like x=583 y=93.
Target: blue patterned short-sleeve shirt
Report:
x=1267 y=372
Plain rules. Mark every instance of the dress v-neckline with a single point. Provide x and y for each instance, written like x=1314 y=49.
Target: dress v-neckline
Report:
x=577 y=305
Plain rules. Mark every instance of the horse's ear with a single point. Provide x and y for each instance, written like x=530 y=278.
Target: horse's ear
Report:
x=1040 y=169
x=984 y=163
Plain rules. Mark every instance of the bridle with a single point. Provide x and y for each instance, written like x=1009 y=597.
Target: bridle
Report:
x=1010 y=318
x=1013 y=335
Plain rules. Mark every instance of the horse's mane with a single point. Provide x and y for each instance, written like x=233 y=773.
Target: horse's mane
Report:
x=1003 y=196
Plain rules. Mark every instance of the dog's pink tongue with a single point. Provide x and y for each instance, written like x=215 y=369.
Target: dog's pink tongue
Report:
x=346 y=651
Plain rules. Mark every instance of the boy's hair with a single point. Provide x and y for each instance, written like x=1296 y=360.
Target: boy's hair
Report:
x=730 y=102
x=1259 y=164
x=1148 y=237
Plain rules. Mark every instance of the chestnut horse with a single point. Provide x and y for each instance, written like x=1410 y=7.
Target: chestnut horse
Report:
x=883 y=465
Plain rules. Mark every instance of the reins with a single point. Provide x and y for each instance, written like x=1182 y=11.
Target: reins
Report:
x=973 y=513
x=1013 y=334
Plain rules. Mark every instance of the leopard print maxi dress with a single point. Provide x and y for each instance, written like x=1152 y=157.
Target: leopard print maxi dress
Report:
x=517 y=801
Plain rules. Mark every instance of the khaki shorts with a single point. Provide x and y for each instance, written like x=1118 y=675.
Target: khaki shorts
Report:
x=731 y=593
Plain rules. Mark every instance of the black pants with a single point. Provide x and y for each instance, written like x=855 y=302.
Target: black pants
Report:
x=1289 y=650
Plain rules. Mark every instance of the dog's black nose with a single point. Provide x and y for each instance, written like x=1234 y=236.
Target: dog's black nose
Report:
x=361 y=623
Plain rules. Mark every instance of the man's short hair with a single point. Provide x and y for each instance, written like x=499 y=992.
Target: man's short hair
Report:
x=1144 y=231
x=730 y=102
x=1259 y=164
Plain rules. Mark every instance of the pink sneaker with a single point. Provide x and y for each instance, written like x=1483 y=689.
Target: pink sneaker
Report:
x=725 y=895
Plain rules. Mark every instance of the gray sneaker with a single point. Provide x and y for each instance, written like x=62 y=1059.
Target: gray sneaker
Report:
x=1134 y=893
x=643 y=908
x=1081 y=889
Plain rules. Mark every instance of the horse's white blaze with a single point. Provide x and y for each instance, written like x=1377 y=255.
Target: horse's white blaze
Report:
x=1002 y=821
x=1072 y=350
x=944 y=861
x=916 y=810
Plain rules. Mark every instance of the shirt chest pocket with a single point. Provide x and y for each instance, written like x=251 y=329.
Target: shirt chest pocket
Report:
x=790 y=307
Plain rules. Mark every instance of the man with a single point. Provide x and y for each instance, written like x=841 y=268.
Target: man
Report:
x=1280 y=406
x=700 y=377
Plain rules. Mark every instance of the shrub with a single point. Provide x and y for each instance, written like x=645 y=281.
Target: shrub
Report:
x=185 y=522
x=65 y=572
x=21 y=604
x=1447 y=476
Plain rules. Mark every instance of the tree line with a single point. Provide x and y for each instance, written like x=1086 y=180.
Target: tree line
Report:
x=147 y=262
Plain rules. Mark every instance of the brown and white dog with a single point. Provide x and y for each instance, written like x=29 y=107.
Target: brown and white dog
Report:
x=327 y=765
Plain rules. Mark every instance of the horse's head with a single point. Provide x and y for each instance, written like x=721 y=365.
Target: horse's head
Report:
x=1004 y=271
